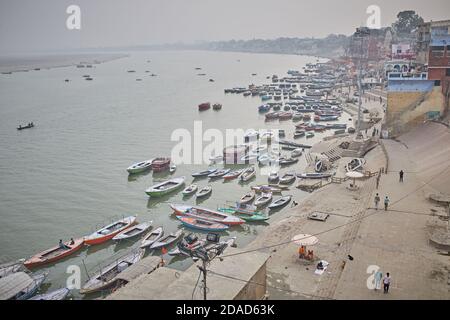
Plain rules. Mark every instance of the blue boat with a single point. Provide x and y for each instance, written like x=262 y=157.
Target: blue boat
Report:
x=264 y=108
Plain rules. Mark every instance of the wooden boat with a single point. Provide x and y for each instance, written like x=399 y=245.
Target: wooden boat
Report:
x=217 y=106
x=204 y=173
x=187 y=245
x=107 y=276
x=280 y=202
x=249 y=158
x=59 y=294
x=54 y=254
x=216 y=159
x=192 y=188
x=267 y=188
x=202 y=224
x=247 y=174
x=296 y=153
x=108 y=232
x=11 y=267
x=271 y=115
x=205 y=214
x=265 y=159
x=246 y=210
x=163 y=188
x=140 y=166
x=133 y=231
x=314 y=175
x=172 y=168
x=247 y=198
x=273 y=177
x=299 y=133
x=287 y=178
x=263 y=199
x=28 y=126
x=233 y=174
x=355 y=164
x=167 y=240
x=248 y=217
x=20 y=285
x=160 y=164
x=218 y=173
x=319 y=166
x=287 y=161
x=152 y=237
x=285 y=115
x=204 y=106
x=203 y=192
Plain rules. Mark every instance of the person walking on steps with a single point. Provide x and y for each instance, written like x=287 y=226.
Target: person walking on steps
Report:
x=401 y=173
x=386 y=203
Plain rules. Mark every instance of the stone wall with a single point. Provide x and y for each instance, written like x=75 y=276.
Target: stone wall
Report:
x=405 y=110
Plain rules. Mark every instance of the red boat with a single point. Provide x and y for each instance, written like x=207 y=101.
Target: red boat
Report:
x=272 y=115
x=285 y=115
x=54 y=254
x=204 y=106
x=161 y=164
x=108 y=232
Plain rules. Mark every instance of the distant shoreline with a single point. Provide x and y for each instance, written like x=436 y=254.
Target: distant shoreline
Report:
x=25 y=63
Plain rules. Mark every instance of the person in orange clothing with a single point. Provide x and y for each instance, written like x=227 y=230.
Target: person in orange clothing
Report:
x=301 y=252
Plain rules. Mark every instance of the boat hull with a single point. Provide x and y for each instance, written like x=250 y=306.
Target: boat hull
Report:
x=39 y=259
x=95 y=238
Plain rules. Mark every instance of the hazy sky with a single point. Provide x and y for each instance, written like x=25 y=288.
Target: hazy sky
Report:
x=35 y=25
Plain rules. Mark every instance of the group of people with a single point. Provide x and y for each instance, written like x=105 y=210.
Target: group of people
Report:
x=63 y=246
x=378 y=199
x=386 y=281
x=302 y=254
x=386 y=199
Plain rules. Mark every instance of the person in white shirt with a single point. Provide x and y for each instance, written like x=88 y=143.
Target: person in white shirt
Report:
x=386 y=282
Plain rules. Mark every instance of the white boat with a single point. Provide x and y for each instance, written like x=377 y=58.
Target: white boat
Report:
x=152 y=237
x=250 y=158
x=163 y=188
x=203 y=192
x=167 y=240
x=248 y=174
x=273 y=177
x=133 y=231
x=59 y=294
x=107 y=276
x=172 y=168
x=140 y=166
x=280 y=202
x=263 y=199
x=287 y=178
x=247 y=198
x=204 y=173
x=296 y=153
x=355 y=164
x=218 y=173
x=192 y=188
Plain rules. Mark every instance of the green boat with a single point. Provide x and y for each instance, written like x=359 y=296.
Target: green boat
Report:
x=247 y=216
x=163 y=188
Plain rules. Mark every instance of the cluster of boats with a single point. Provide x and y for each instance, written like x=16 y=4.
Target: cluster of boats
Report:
x=207 y=105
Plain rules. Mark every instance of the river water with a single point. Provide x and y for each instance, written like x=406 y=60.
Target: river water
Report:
x=66 y=177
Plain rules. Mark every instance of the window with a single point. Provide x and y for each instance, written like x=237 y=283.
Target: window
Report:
x=437 y=83
x=447 y=72
x=437 y=54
